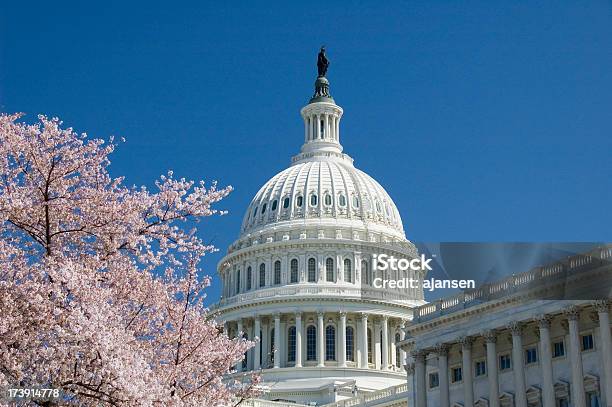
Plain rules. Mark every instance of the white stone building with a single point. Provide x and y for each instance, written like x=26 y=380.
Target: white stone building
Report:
x=299 y=277
x=511 y=343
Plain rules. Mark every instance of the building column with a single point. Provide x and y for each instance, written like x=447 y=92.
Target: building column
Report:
x=321 y=341
x=257 y=333
x=338 y=129
x=577 y=390
x=442 y=351
x=364 y=341
x=305 y=130
x=326 y=131
x=342 y=340
x=384 y=346
x=548 y=390
x=520 y=397
x=603 y=311
x=491 y=339
x=239 y=335
x=298 y=339
x=466 y=370
x=318 y=126
x=277 y=341
x=419 y=371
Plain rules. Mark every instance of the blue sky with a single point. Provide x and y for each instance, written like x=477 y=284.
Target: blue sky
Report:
x=485 y=121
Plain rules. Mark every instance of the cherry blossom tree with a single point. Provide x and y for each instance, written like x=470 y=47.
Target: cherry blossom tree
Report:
x=100 y=290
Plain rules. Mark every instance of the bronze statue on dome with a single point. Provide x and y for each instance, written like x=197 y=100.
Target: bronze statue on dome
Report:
x=322 y=63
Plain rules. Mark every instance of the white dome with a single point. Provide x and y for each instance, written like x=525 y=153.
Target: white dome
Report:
x=323 y=188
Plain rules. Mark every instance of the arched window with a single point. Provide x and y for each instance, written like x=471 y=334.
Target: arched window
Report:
x=286 y=202
x=291 y=344
x=294 y=271
x=263 y=208
x=272 y=353
x=312 y=270
x=237 y=281
x=277 y=272
x=328 y=200
x=254 y=212
x=348 y=271
x=365 y=272
x=313 y=200
x=350 y=344
x=322 y=128
x=330 y=343
x=342 y=200
x=378 y=207
x=370 y=350
x=249 y=278
x=298 y=201
x=329 y=269
x=274 y=204
x=262 y=275
x=311 y=343
x=398 y=357
x=355 y=202
x=245 y=361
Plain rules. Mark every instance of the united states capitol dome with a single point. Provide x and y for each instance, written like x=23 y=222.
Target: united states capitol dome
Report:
x=322 y=186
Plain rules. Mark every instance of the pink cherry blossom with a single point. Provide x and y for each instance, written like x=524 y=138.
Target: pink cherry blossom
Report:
x=100 y=290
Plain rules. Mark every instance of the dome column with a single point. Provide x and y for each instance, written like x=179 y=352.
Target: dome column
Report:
x=277 y=341
x=342 y=340
x=385 y=343
x=321 y=340
x=239 y=335
x=298 y=339
x=257 y=334
x=364 y=341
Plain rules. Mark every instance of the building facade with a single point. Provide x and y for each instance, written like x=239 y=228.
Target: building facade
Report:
x=299 y=277
x=511 y=343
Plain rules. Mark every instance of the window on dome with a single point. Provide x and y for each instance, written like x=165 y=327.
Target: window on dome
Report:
x=365 y=272
x=388 y=211
x=370 y=349
x=378 y=206
x=291 y=344
x=271 y=345
x=342 y=200
x=330 y=342
x=329 y=269
x=328 y=200
x=254 y=212
x=286 y=203
x=311 y=343
x=274 y=204
x=348 y=272
x=313 y=200
x=298 y=201
x=277 y=272
x=350 y=344
x=398 y=354
x=312 y=270
x=249 y=278
x=322 y=128
x=356 y=202
x=238 y=282
x=263 y=209
x=262 y=275
x=245 y=360
x=294 y=271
